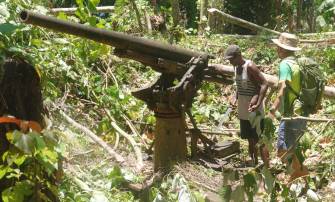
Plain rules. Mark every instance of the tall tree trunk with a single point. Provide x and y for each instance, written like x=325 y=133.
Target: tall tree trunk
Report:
x=299 y=15
x=148 y=21
x=138 y=16
x=290 y=16
x=203 y=16
x=278 y=7
x=311 y=17
x=155 y=6
x=191 y=13
x=175 y=12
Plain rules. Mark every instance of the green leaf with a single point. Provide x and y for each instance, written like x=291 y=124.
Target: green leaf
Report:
x=62 y=16
x=225 y=192
x=36 y=42
x=39 y=142
x=95 y=2
x=48 y=159
x=116 y=176
x=8 y=28
x=92 y=20
x=80 y=3
x=92 y=4
x=3 y=171
x=50 y=139
x=269 y=180
x=17 y=192
x=20 y=160
x=250 y=185
x=24 y=142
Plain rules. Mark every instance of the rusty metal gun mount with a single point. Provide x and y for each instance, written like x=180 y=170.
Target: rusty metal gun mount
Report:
x=182 y=72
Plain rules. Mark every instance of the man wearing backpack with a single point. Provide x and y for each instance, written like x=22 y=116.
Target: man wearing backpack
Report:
x=289 y=85
x=251 y=90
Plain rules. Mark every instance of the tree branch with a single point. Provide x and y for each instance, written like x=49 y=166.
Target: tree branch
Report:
x=94 y=137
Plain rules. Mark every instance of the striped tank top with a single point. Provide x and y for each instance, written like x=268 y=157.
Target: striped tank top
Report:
x=246 y=89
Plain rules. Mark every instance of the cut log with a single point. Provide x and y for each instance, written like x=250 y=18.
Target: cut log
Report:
x=317 y=34
x=312 y=119
x=226 y=148
x=102 y=9
x=327 y=41
x=272 y=80
x=240 y=22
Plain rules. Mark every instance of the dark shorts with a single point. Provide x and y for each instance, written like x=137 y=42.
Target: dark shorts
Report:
x=247 y=131
x=288 y=133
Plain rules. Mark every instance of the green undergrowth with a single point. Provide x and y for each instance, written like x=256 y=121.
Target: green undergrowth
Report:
x=87 y=81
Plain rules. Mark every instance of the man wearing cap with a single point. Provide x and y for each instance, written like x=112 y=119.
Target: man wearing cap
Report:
x=251 y=90
x=289 y=78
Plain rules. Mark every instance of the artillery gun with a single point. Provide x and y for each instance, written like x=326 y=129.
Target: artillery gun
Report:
x=168 y=101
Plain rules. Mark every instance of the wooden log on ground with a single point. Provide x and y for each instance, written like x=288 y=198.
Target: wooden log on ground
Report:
x=312 y=119
x=101 y=9
x=226 y=148
x=267 y=37
x=243 y=23
x=317 y=34
x=317 y=41
x=272 y=80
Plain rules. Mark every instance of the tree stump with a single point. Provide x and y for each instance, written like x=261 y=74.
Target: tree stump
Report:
x=170 y=138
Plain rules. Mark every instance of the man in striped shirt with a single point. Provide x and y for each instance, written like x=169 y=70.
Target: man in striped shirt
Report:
x=251 y=90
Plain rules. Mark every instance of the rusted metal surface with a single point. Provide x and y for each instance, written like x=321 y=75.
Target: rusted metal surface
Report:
x=167 y=100
x=116 y=39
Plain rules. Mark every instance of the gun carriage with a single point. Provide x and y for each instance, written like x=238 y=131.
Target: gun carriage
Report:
x=168 y=101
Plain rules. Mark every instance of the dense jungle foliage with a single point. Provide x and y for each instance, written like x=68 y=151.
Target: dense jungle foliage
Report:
x=82 y=79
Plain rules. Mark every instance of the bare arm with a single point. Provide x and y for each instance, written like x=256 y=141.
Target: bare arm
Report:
x=275 y=106
x=259 y=78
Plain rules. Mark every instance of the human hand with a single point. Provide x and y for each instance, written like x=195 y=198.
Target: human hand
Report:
x=253 y=107
x=233 y=101
x=272 y=115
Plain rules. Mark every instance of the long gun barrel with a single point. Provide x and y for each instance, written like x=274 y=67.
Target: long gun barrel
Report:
x=173 y=62
x=112 y=38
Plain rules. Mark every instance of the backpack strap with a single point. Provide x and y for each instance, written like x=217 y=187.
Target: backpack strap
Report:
x=293 y=91
x=22 y=124
x=290 y=61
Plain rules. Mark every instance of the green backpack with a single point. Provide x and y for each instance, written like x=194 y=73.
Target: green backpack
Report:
x=312 y=85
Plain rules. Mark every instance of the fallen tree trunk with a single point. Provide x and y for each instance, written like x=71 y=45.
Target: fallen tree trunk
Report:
x=272 y=80
x=102 y=9
x=241 y=22
x=318 y=34
x=249 y=25
x=327 y=41
x=313 y=119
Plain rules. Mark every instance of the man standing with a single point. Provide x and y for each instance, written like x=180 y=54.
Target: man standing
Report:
x=289 y=82
x=251 y=90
